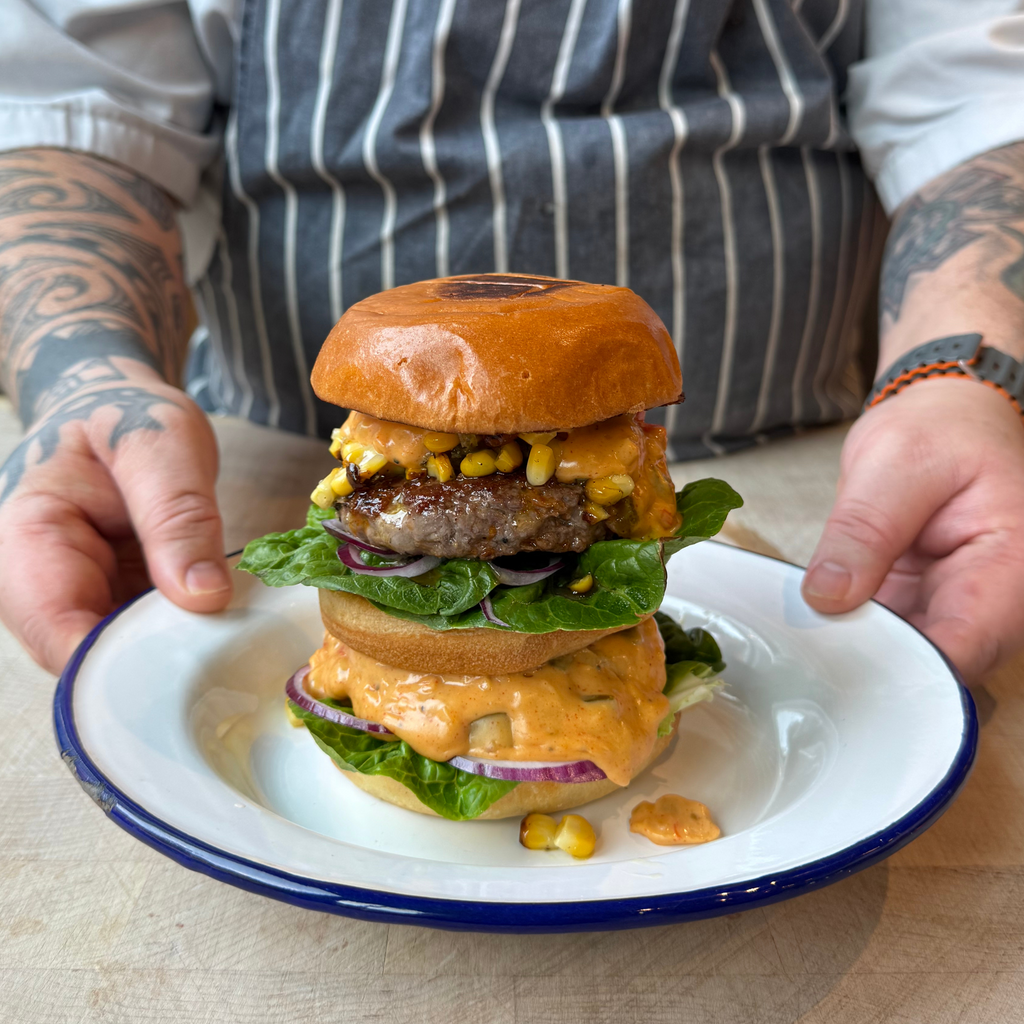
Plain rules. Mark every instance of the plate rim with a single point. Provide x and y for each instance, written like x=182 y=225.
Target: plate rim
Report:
x=493 y=916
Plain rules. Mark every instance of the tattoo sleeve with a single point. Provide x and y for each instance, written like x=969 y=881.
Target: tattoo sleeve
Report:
x=954 y=260
x=91 y=283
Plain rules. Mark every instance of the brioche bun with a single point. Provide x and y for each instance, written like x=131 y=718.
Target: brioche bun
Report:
x=526 y=798
x=417 y=648
x=499 y=353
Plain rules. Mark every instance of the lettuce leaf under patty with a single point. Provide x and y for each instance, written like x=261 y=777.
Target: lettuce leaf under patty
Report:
x=629 y=575
x=462 y=796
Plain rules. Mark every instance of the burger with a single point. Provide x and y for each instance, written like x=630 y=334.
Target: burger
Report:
x=490 y=550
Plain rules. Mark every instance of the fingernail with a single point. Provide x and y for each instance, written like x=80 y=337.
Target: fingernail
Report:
x=829 y=580
x=205 y=578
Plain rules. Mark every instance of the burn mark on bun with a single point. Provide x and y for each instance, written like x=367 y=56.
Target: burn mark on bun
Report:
x=497 y=286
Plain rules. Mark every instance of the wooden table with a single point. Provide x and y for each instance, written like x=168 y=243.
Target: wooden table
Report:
x=95 y=926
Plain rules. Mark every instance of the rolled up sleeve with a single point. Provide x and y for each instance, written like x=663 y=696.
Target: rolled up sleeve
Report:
x=130 y=83
x=942 y=81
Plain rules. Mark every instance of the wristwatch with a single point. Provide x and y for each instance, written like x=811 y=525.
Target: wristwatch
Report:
x=960 y=355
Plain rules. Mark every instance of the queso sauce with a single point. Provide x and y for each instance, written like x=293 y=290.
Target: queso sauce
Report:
x=602 y=704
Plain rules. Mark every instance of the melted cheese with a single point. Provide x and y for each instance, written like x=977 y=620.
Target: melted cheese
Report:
x=673 y=821
x=602 y=704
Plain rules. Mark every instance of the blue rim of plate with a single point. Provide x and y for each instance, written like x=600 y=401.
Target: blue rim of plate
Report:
x=486 y=916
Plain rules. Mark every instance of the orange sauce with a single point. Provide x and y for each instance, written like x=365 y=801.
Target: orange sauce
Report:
x=602 y=704
x=651 y=510
x=398 y=443
x=673 y=821
x=610 y=448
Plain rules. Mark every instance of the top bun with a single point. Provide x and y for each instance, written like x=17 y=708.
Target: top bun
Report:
x=499 y=353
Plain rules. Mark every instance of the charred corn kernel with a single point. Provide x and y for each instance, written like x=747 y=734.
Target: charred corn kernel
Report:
x=576 y=836
x=337 y=441
x=537 y=832
x=339 y=481
x=366 y=460
x=541 y=465
x=510 y=456
x=607 y=490
x=293 y=719
x=440 y=468
x=438 y=443
x=469 y=441
x=532 y=439
x=582 y=585
x=594 y=511
x=323 y=495
x=481 y=463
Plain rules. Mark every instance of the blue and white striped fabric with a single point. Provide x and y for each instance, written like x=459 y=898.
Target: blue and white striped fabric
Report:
x=693 y=150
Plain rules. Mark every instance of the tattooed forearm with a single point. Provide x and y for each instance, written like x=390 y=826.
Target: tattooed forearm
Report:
x=979 y=205
x=90 y=267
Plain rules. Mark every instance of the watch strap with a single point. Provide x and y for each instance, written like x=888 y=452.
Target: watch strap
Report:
x=959 y=355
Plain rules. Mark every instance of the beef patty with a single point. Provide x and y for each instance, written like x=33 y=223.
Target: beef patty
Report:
x=471 y=517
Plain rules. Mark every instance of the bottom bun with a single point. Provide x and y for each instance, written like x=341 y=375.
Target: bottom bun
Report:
x=526 y=798
x=409 y=645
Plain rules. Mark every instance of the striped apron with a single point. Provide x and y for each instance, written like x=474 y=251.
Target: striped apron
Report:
x=693 y=150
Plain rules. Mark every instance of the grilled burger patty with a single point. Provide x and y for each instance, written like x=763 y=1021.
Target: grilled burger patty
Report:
x=471 y=517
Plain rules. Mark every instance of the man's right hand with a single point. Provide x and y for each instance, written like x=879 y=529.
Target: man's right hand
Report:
x=110 y=491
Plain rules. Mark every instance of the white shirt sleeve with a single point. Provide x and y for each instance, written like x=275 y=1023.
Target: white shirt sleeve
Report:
x=942 y=81
x=134 y=83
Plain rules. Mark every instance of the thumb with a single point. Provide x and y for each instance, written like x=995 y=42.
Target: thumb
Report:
x=885 y=498
x=167 y=479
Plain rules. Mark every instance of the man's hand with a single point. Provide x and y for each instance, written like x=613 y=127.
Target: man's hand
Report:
x=121 y=470
x=930 y=512
x=115 y=475
x=929 y=519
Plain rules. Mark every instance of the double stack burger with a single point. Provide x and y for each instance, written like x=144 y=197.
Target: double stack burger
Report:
x=490 y=550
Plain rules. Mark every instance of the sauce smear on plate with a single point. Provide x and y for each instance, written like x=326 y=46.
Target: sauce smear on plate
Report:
x=673 y=821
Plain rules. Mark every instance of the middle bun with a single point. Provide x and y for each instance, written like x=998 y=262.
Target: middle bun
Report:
x=417 y=648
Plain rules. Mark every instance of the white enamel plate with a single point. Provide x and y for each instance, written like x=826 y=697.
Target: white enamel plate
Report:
x=834 y=742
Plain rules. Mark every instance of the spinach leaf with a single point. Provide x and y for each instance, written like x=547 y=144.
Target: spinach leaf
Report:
x=310 y=556
x=693 y=661
x=704 y=505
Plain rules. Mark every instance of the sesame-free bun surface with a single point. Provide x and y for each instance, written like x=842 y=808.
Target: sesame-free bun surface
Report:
x=498 y=353
x=417 y=648
x=526 y=798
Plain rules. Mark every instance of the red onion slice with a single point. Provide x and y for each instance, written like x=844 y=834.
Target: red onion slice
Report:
x=350 y=558
x=488 y=609
x=335 y=529
x=522 y=577
x=531 y=771
x=296 y=692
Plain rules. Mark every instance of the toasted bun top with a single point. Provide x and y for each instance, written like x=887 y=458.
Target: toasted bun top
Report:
x=499 y=353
